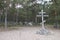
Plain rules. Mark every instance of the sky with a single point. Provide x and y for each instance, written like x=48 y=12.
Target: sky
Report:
x=44 y=0
x=39 y=1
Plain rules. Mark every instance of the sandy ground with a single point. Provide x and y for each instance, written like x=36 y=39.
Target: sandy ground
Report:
x=29 y=33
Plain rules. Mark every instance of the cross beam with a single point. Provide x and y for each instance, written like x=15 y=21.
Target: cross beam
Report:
x=43 y=15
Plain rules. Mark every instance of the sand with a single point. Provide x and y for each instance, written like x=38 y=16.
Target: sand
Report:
x=29 y=33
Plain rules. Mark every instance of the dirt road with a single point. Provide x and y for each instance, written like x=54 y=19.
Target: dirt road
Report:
x=29 y=33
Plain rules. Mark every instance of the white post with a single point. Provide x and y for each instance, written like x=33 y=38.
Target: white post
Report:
x=42 y=20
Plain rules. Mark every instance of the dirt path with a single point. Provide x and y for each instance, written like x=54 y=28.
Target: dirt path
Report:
x=29 y=33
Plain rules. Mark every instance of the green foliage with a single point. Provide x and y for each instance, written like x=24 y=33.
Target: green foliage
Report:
x=29 y=12
x=1 y=4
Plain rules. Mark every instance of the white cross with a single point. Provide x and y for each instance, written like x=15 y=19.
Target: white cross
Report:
x=42 y=19
x=41 y=14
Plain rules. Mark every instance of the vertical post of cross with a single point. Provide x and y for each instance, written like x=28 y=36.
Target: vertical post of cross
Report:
x=42 y=20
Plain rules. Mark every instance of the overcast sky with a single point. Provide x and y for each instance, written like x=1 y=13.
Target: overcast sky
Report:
x=44 y=0
x=39 y=1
